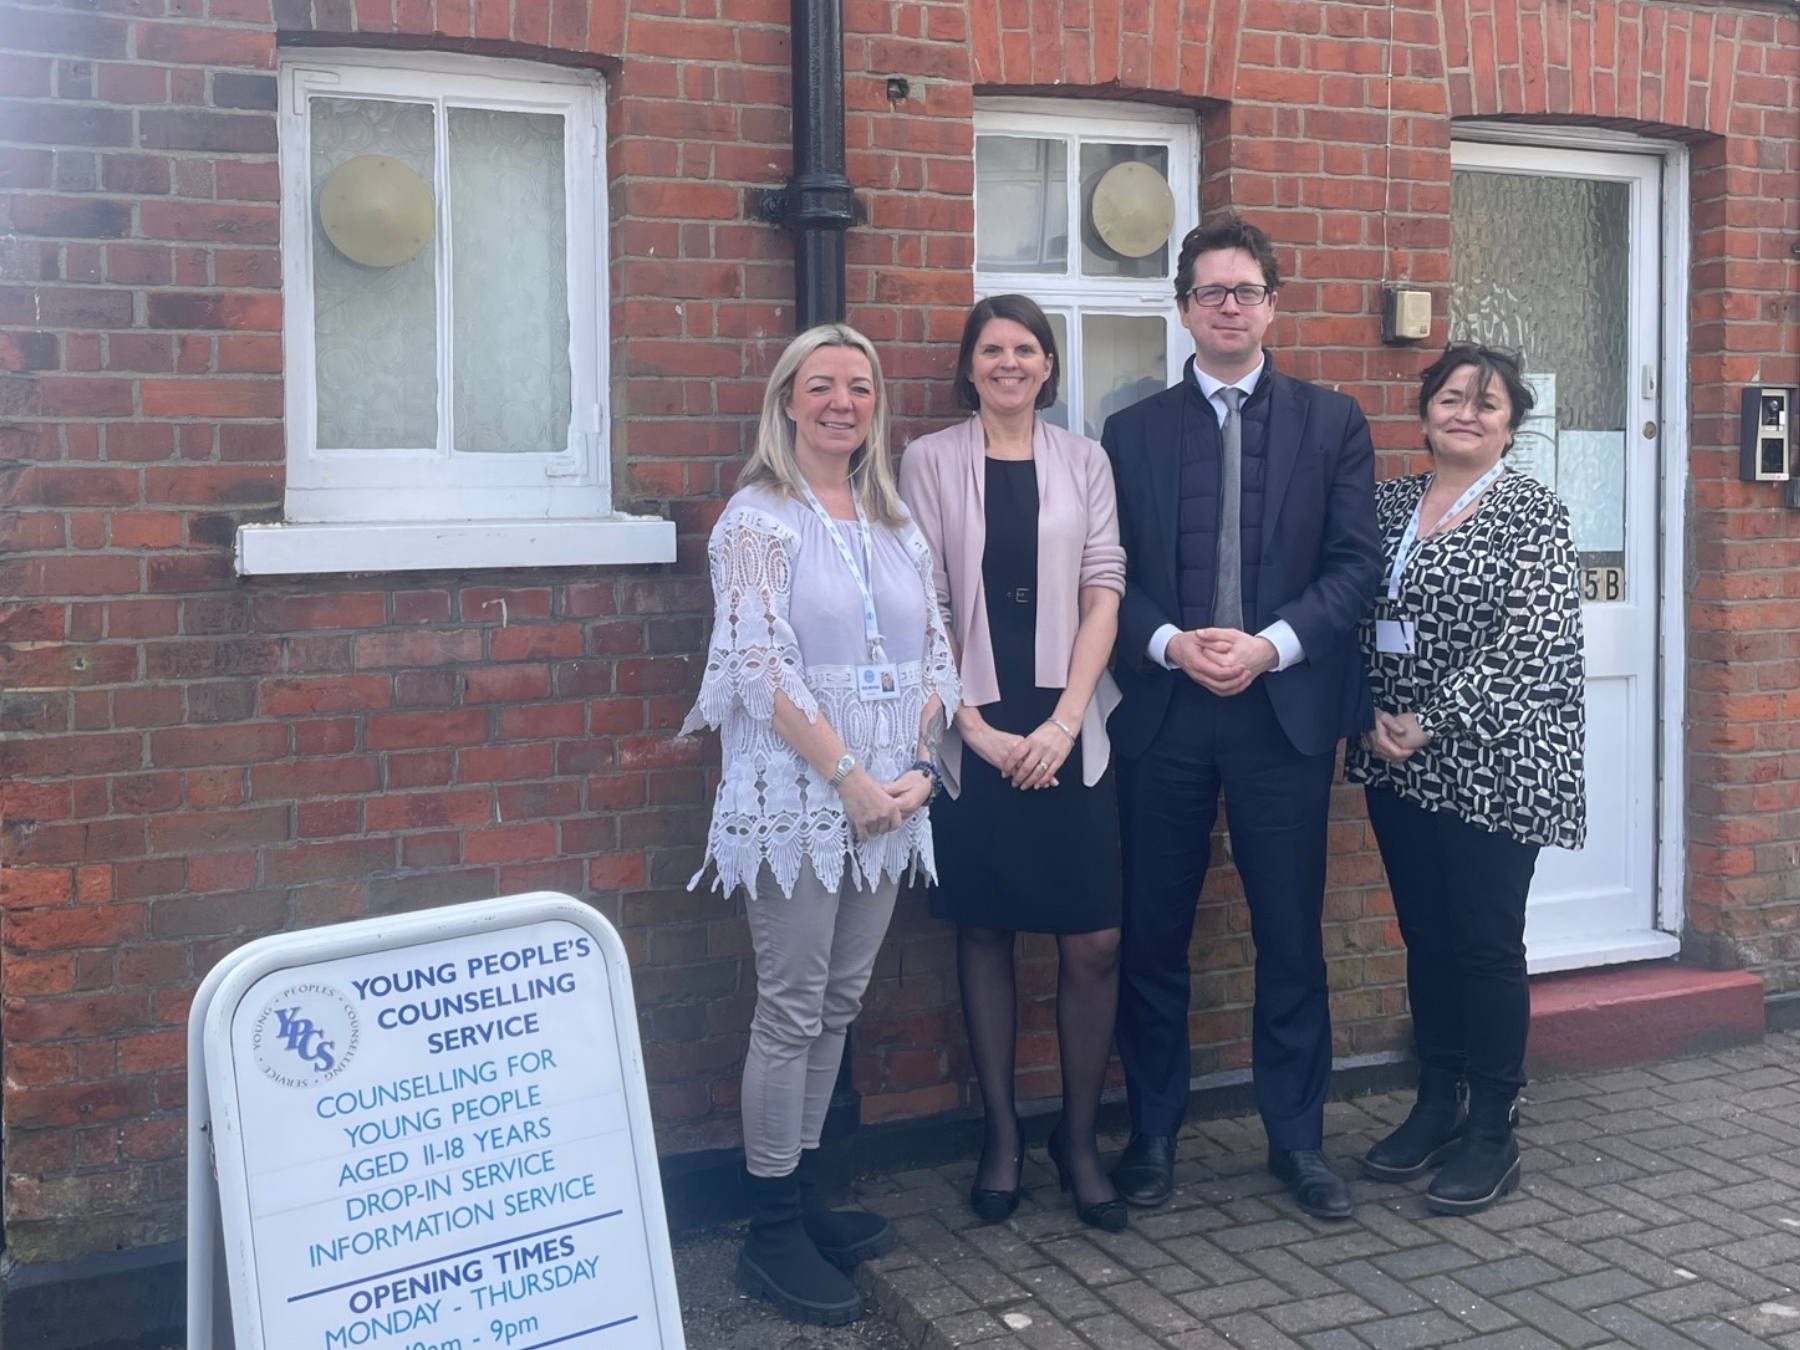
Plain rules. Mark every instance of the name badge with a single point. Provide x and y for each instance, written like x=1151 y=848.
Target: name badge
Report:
x=1394 y=635
x=878 y=682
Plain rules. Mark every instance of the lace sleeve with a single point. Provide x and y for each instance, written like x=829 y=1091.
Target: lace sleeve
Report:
x=753 y=652
x=940 y=658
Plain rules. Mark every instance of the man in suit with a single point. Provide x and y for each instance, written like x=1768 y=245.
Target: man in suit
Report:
x=1247 y=511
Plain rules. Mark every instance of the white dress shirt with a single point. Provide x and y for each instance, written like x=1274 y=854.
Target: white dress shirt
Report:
x=1281 y=634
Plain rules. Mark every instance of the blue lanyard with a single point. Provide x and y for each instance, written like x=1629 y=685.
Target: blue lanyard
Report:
x=1410 y=543
x=864 y=576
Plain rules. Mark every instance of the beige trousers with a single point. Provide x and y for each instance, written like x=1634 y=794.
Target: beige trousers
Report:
x=815 y=950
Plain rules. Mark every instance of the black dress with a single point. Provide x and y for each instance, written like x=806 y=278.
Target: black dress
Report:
x=1040 y=861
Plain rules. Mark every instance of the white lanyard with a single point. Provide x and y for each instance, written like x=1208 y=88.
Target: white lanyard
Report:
x=1410 y=543
x=864 y=583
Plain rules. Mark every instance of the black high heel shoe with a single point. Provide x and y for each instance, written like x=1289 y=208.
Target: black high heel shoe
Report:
x=1109 y=1216
x=997 y=1206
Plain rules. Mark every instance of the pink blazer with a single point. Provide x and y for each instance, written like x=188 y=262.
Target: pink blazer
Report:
x=943 y=478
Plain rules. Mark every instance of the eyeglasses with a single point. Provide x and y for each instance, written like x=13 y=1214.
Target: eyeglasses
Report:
x=1213 y=296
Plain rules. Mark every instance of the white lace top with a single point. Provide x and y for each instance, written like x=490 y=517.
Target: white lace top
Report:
x=788 y=616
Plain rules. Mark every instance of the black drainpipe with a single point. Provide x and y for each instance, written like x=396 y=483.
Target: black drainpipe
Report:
x=818 y=205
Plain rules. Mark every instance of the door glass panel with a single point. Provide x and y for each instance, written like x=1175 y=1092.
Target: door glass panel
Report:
x=1097 y=260
x=1123 y=359
x=374 y=328
x=509 y=281
x=1542 y=264
x=1021 y=204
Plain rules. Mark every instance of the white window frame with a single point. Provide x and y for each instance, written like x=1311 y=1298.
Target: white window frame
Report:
x=1071 y=294
x=411 y=508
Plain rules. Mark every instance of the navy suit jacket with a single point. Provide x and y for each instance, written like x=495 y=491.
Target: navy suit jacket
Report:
x=1320 y=567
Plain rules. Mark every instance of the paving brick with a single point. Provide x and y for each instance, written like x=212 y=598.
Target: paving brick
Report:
x=1692 y=1299
x=1247 y=1331
x=1432 y=1260
x=1519 y=1338
x=1149 y=1309
x=1520 y=1272
x=1635 y=1329
x=1754 y=1288
x=1716 y=1334
x=1590 y=1291
x=1292 y=1270
x=1110 y=1331
x=1061 y=1293
x=1530 y=1306
x=1314 y=1314
x=1412 y=1331
x=1231 y=1298
x=1387 y=1294
x=1470 y=1309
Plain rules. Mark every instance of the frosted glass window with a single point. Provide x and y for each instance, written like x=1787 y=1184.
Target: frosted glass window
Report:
x=509 y=282
x=1541 y=264
x=1097 y=260
x=1021 y=204
x=1124 y=359
x=374 y=328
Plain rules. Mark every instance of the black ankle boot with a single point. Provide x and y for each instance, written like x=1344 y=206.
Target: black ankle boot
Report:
x=843 y=1236
x=1428 y=1135
x=780 y=1262
x=1486 y=1167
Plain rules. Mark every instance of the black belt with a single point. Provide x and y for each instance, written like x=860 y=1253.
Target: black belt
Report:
x=1019 y=595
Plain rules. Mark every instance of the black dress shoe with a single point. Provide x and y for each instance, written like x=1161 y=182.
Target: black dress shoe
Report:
x=1317 y=1189
x=1108 y=1215
x=1145 y=1172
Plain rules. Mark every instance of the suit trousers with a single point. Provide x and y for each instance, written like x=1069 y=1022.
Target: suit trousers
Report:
x=1459 y=893
x=1276 y=804
x=815 y=950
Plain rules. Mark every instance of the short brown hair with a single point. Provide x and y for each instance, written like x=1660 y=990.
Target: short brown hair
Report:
x=1227 y=232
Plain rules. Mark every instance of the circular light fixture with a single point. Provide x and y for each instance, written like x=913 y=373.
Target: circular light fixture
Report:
x=1133 y=209
x=376 y=210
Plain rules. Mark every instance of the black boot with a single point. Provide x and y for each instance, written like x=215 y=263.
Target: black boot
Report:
x=1487 y=1165
x=780 y=1262
x=843 y=1236
x=1428 y=1135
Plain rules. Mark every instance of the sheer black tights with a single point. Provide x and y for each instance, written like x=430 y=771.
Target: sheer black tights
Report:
x=1087 y=991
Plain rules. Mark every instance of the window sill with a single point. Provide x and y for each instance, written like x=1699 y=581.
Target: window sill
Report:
x=420 y=546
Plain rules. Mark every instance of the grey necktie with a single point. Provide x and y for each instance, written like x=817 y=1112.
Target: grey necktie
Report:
x=1228 y=593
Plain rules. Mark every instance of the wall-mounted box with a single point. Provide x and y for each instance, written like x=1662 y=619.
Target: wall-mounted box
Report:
x=1766 y=433
x=1405 y=314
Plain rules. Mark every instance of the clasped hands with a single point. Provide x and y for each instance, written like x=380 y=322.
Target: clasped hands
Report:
x=1028 y=761
x=880 y=808
x=1395 y=736
x=1224 y=660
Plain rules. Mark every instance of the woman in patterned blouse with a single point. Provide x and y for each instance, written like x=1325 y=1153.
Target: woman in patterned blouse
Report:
x=829 y=676
x=1474 y=762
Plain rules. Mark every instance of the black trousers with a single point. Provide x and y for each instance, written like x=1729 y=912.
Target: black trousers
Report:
x=1459 y=892
x=1276 y=802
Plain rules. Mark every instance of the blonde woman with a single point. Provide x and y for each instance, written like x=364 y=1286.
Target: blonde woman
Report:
x=830 y=677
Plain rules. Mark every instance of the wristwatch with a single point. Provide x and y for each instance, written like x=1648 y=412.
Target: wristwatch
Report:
x=846 y=765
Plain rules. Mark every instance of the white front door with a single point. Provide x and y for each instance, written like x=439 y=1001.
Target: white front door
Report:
x=1557 y=252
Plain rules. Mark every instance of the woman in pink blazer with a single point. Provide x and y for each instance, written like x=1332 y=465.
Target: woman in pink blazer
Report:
x=1020 y=517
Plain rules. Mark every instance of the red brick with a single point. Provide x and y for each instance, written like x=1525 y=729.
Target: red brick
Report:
x=412 y=731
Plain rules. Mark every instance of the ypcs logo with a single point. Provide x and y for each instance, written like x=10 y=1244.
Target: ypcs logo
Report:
x=306 y=1035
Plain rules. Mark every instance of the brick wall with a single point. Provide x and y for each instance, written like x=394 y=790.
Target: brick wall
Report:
x=193 y=759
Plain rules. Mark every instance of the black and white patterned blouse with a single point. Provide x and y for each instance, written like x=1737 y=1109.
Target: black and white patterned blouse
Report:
x=1496 y=671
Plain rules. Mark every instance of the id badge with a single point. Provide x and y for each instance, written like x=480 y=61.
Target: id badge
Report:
x=1395 y=636
x=878 y=682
